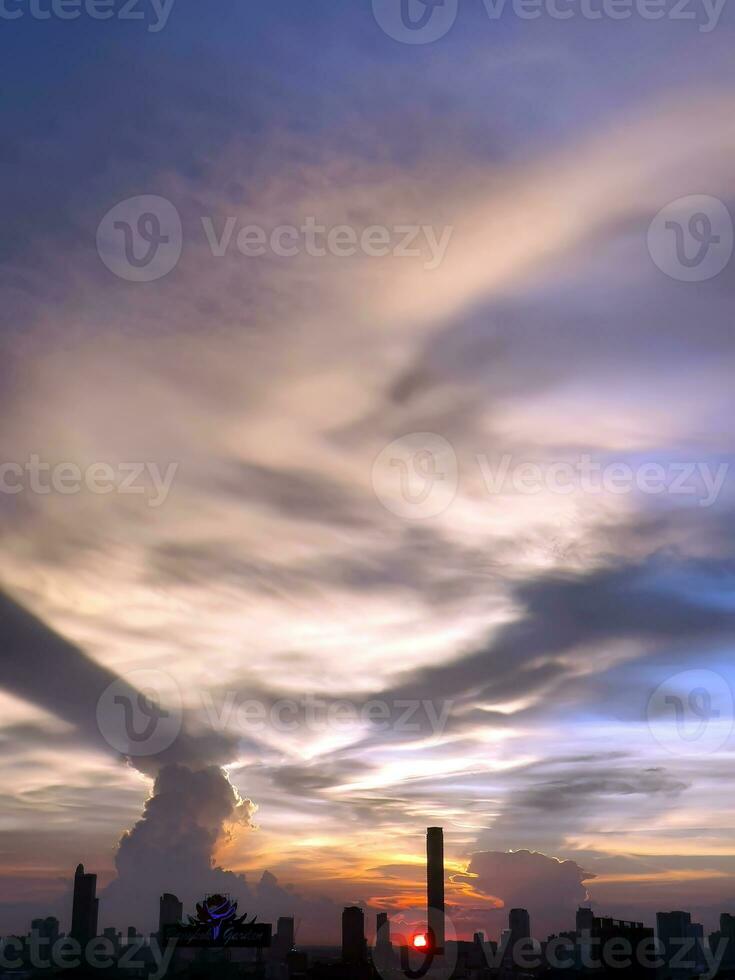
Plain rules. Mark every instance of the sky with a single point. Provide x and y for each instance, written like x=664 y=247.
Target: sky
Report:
x=404 y=465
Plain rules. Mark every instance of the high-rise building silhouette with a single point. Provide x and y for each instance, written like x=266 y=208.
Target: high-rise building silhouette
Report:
x=382 y=930
x=170 y=912
x=283 y=940
x=354 y=947
x=435 y=884
x=85 y=907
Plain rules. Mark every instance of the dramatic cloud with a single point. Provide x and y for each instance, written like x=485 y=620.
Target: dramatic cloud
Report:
x=527 y=626
x=551 y=890
x=171 y=846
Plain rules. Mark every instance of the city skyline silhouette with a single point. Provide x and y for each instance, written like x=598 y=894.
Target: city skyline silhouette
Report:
x=216 y=937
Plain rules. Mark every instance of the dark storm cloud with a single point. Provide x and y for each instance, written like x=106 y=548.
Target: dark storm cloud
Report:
x=42 y=667
x=299 y=494
x=578 y=789
x=45 y=669
x=533 y=342
x=552 y=799
x=310 y=778
x=218 y=563
x=422 y=562
x=565 y=613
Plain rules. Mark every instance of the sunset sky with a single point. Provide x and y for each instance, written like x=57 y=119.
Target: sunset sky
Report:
x=282 y=562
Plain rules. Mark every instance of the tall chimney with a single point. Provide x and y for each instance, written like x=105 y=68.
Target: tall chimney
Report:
x=435 y=884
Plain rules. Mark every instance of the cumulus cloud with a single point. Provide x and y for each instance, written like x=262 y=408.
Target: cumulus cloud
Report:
x=550 y=889
x=171 y=847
